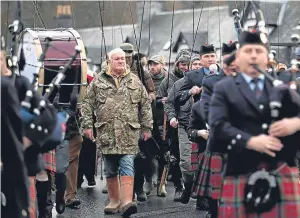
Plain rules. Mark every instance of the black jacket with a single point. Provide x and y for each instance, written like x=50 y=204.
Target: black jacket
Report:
x=236 y=115
x=192 y=78
x=14 y=179
x=182 y=113
x=196 y=123
x=207 y=91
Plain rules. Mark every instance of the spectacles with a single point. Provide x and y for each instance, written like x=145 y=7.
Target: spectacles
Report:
x=128 y=51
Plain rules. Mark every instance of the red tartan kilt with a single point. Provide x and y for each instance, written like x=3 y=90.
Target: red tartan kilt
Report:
x=209 y=176
x=32 y=197
x=195 y=157
x=231 y=203
x=50 y=160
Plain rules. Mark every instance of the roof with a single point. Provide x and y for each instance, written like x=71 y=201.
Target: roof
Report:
x=160 y=25
x=94 y=53
x=114 y=35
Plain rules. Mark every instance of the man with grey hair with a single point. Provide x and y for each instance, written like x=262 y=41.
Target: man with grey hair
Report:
x=115 y=96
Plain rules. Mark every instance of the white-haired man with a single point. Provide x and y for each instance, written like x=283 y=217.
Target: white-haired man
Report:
x=115 y=96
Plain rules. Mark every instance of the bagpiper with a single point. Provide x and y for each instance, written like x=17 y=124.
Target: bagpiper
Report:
x=261 y=177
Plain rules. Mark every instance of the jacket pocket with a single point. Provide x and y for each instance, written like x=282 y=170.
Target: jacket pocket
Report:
x=103 y=133
x=103 y=92
x=134 y=92
x=134 y=131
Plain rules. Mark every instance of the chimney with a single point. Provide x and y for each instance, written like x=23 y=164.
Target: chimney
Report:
x=64 y=16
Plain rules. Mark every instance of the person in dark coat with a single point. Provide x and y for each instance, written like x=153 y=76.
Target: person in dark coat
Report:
x=14 y=178
x=240 y=120
x=181 y=67
x=208 y=178
x=193 y=81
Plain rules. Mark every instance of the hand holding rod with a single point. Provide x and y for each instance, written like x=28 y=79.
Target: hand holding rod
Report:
x=56 y=82
x=29 y=94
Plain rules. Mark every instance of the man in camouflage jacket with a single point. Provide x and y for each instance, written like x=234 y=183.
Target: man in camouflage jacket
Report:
x=115 y=96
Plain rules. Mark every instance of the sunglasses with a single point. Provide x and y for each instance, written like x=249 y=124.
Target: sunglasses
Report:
x=128 y=51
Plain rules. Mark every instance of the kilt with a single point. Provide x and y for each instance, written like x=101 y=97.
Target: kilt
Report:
x=209 y=177
x=50 y=161
x=231 y=203
x=195 y=157
x=32 y=197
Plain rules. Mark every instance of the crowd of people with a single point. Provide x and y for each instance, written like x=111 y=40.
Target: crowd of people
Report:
x=210 y=128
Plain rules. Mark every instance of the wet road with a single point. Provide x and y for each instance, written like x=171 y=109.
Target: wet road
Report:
x=93 y=202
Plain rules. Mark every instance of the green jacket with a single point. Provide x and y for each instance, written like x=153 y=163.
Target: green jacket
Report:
x=116 y=109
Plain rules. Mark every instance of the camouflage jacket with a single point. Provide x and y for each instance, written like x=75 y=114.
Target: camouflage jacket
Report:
x=116 y=108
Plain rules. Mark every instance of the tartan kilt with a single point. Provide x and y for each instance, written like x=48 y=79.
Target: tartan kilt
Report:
x=50 y=160
x=231 y=203
x=195 y=157
x=209 y=177
x=32 y=197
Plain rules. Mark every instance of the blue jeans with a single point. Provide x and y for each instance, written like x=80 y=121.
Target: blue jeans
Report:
x=115 y=163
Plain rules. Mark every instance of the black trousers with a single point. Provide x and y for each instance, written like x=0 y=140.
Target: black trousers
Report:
x=87 y=160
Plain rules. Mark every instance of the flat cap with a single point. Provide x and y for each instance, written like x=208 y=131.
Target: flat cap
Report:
x=159 y=59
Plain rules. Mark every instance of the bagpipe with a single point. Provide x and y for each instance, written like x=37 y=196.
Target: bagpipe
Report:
x=262 y=191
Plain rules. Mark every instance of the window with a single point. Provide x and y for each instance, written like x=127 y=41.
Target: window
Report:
x=63 y=10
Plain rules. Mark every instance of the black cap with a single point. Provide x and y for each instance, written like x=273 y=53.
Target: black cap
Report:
x=253 y=38
x=228 y=48
x=206 y=49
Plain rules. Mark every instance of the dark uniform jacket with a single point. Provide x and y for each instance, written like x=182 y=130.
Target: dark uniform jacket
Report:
x=207 y=91
x=236 y=115
x=192 y=78
x=182 y=113
x=196 y=123
x=14 y=179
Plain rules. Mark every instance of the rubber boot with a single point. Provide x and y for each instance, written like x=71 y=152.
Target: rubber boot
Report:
x=113 y=187
x=127 y=206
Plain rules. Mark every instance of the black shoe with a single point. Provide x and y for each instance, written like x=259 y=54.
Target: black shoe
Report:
x=194 y=196
x=141 y=196
x=177 y=195
x=60 y=202
x=186 y=194
x=73 y=203
x=92 y=183
x=202 y=203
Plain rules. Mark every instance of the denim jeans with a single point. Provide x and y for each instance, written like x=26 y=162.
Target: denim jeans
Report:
x=115 y=163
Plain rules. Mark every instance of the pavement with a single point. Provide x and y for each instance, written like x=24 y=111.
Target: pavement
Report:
x=93 y=203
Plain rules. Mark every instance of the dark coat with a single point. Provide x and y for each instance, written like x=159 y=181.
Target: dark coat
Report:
x=236 y=115
x=196 y=123
x=207 y=91
x=14 y=179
